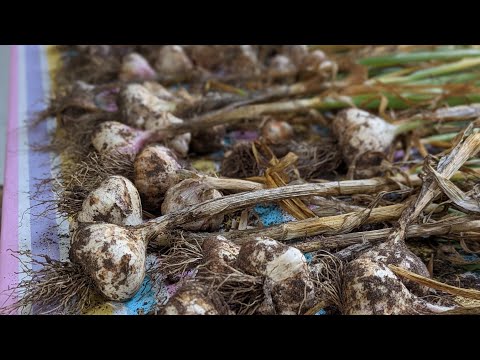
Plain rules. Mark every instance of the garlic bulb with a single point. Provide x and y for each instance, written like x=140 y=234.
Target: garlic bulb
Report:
x=296 y=53
x=112 y=256
x=281 y=65
x=312 y=62
x=286 y=270
x=172 y=61
x=113 y=138
x=155 y=172
x=140 y=106
x=136 y=67
x=358 y=131
x=400 y=255
x=115 y=201
x=191 y=192
x=371 y=288
x=179 y=143
x=277 y=131
x=159 y=91
x=244 y=60
x=209 y=57
x=144 y=110
x=193 y=299
x=219 y=254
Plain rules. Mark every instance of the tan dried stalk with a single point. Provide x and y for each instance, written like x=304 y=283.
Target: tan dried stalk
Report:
x=456 y=225
x=453 y=290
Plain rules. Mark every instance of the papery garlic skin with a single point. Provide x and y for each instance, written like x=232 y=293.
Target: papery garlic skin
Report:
x=190 y=300
x=158 y=90
x=113 y=256
x=115 y=201
x=286 y=269
x=219 y=254
x=172 y=61
x=277 y=131
x=144 y=110
x=296 y=53
x=281 y=65
x=115 y=138
x=140 y=106
x=313 y=61
x=358 y=132
x=192 y=192
x=371 y=288
x=136 y=67
x=179 y=143
x=155 y=171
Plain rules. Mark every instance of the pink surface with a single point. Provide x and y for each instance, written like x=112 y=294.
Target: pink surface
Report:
x=9 y=235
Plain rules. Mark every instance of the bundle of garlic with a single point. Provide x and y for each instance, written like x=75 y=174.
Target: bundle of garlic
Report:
x=262 y=276
x=141 y=147
x=109 y=259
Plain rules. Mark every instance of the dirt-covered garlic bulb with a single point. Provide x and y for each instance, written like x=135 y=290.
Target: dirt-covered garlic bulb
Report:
x=209 y=57
x=276 y=131
x=136 y=67
x=219 y=255
x=173 y=62
x=371 y=288
x=114 y=257
x=281 y=65
x=313 y=61
x=159 y=91
x=192 y=192
x=244 y=60
x=112 y=138
x=115 y=201
x=140 y=106
x=194 y=299
x=179 y=143
x=155 y=171
x=286 y=271
x=295 y=53
x=144 y=110
x=358 y=132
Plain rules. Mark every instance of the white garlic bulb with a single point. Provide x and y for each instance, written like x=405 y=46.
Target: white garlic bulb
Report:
x=115 y=201
x=155 y=170
x=192 y=192
x=159 y=91
x=140 y=106
x=244 y=60
x=281 y=65
x=112 y=256
x=179 y=143
x=191 y=299
x=296 y=53
x=277 y=131
x=312 y=62
x=358 y=131
x=286 y=269
x=219 y=254
x=172 y=61
x=112 y=138
x=136 y=67
x=144 y=110
x=371 y=288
